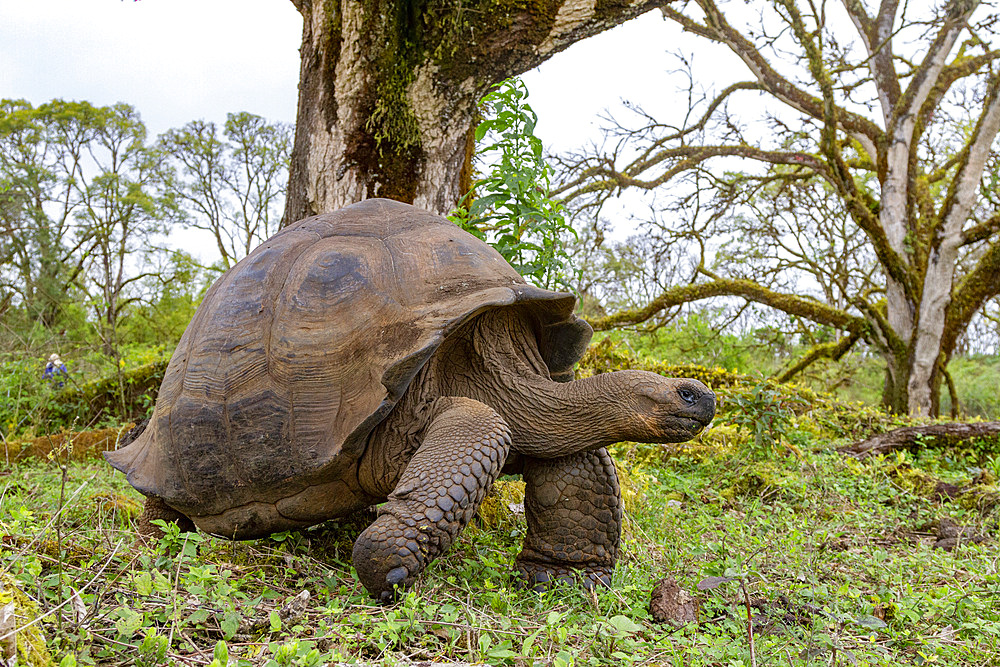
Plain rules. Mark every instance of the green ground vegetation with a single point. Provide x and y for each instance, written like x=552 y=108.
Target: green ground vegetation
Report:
x=835 y=560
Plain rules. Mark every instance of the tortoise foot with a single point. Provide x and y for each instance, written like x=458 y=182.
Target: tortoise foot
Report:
x=463 y=451
x=540 y=576
x=574 y=514
x=388 y=557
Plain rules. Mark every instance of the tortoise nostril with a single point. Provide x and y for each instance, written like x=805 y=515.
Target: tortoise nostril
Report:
x=687 y=395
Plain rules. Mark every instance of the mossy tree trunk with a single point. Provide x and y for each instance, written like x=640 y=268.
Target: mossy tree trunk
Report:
x=388 y=90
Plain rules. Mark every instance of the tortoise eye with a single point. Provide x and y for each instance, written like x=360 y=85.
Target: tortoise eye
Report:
x=687 y=395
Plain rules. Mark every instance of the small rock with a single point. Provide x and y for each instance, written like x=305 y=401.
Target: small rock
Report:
x=8 y=629
x=669 y=603
x=950 y=534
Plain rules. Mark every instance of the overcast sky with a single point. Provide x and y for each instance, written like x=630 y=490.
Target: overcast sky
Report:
x=180 y=60
x=174 y=60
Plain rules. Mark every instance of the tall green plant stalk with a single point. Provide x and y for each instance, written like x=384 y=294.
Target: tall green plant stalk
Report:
x=511 y=206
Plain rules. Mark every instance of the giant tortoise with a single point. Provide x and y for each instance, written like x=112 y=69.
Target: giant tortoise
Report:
x=379 y=355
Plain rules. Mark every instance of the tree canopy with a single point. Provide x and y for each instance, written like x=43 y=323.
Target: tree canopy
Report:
x=879 y=128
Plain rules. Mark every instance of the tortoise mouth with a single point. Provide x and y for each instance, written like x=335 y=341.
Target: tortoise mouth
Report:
x=682 y=429
x=695 y=424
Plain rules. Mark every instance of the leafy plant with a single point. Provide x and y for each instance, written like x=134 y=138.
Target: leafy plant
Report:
x=511 y=207
x=765 y=415
x=24 y=395
x=152 y=650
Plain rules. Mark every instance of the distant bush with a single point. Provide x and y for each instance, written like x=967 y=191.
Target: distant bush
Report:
x=24 y=394
x=977 y=380
x=29 y=405
x=112 y=399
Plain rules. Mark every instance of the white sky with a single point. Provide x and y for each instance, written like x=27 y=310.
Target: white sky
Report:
x=174 y=60
x=180 y=60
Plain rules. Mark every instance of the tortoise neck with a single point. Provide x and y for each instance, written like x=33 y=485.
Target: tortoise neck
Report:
x=553 y=419
x=496 y=360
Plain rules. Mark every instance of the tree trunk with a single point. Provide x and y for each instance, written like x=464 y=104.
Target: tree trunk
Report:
x=388 y=90
x=894 y=396
x=370 y=123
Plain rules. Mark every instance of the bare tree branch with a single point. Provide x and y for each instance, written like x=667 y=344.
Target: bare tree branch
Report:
x=834 y=350
x=719 y=30
x=789 y=303
x=606 y=177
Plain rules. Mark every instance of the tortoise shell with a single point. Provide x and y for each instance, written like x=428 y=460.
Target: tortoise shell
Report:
x=303 y=347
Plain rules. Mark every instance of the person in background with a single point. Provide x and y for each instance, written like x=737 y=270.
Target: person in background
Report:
x=55 y=371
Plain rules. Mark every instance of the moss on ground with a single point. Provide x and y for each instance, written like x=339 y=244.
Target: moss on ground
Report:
x=31 y=649
x=68 y=445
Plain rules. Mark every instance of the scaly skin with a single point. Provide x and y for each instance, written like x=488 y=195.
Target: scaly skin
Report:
x=559 y=432
x=154 y=508
x=574 y=511
x=462 y=453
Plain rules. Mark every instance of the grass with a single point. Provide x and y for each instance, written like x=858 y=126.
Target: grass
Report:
x=833 y=558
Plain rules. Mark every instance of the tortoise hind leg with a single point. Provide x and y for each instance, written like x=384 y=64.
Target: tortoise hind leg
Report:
x=154 y=508
x=574 y=511
x=462 y=453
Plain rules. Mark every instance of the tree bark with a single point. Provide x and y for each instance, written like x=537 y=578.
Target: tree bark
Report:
x=388 y=90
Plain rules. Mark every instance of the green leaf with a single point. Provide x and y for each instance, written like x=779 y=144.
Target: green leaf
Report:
x=624 y=625
x=161 y=583
x=221 y=652
x=230 y=624
x=529 y=642
x=143 y=584
x=563 y=659
x=129 y=622
x=275 y=621
x=482 y=129
x=198 y=616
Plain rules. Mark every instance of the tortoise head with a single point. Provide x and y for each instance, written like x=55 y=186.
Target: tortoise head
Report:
x=661 y=409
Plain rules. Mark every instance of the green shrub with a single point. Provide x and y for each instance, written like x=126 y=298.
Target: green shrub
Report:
x=976 y=381
x=30 y=405
x=510 y=207
x=113 y=398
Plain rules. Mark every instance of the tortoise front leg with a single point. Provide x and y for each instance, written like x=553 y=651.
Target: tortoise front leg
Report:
x=574 y=510
x=461 y=455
